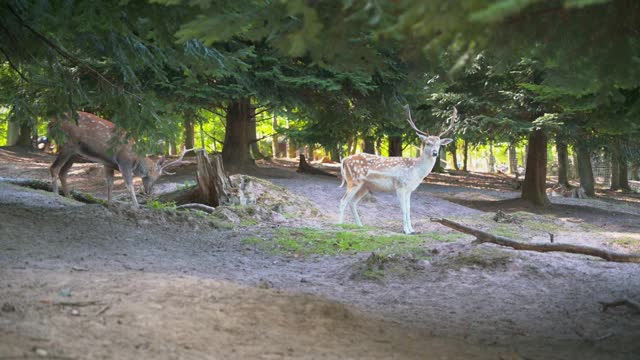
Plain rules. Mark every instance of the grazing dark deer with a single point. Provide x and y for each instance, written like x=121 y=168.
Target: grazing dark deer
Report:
x=99 y=140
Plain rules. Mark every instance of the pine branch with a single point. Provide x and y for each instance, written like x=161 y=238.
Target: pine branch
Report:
x=13 y=66
x=68 y=56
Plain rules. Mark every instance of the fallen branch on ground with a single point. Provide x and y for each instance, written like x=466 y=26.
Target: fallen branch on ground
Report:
x=78 y=303
x=484 y=237
x=621 y=302
x=195 y=206
x=304 y=167
x=46 y=186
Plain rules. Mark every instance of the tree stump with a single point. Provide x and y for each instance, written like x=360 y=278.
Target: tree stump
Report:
x=213 y=184
x=304 y=167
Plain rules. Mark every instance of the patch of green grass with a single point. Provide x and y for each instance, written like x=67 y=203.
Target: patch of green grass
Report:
x=186 y=185
x=252 y=240
x=248 y=222
x=306 y=241
x=218 y=223
x=589 y=227
x=159 y=205
x=627 y=242
x=506 y=231
x=479 y=257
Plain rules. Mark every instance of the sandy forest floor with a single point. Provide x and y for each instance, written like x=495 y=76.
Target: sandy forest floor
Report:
x=85 y=281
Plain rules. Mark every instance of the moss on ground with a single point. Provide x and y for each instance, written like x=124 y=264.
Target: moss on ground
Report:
x=307 y=241
x=483 y=257
x=627 y=242
x=527 y=226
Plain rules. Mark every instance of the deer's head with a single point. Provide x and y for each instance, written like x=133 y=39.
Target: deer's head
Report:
x=152 y=170
x=431 y=143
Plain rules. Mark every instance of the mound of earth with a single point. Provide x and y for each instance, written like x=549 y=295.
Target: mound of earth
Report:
x=261 y=200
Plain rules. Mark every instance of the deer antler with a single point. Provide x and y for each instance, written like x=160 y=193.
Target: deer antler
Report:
x=452 y=120
x=174 y=163
x=413 y=125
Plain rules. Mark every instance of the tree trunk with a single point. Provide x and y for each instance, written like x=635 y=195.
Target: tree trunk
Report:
x=492 y=159
x=437 y=167
x=354 y=146
x=563 y=161
x=535 y=180
x=465 y=155
x=513 y=158
x=395 y=145
x=18 y=135
x=525 y=155
x=235 y=152
x=454 y=154
x=274 y=138
x=334 y=153
x=574 y=170
x=189 y=131
x=253 y=134
x=585 y=172
x=369 y=145
x=615 y=166
x=291 y=146
x=624 y=175
x=635 y=171
x=349 y=145
x=379 y=146
x=24 y=139
x=173 y=149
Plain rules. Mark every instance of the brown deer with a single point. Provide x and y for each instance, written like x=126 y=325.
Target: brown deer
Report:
x=365 y=172
x=100 y=140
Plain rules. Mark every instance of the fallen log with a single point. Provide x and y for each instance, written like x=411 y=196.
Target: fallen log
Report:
x=634 y=305
x=46 y=186
x=485 y=237
x=304 y=167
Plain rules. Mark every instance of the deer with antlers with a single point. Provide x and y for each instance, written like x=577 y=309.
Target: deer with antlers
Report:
x=99 y=140
x=365 y=172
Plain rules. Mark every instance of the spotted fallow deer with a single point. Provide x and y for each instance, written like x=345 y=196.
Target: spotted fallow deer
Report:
x=365 y=172
x=99 y=140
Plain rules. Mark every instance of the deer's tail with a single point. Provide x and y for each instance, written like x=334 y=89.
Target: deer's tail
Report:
x=342 y=174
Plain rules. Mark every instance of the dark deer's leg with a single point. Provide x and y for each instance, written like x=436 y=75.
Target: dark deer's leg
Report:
x=127 y=174
x=108 y=172
x=64 y=170
x=65 y=155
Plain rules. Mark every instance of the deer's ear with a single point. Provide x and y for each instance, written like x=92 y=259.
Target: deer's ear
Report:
x=422 y=137
x=446 y=141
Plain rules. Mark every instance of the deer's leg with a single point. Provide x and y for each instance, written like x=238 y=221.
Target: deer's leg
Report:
x=127 y=174
x=65 y=155
x=405 y=206
x=108 y=173
x=64 y=170
x=408 y=214
x=354 y=203
x=346 y=199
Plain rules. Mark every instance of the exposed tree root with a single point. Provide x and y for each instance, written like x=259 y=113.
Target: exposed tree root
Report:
x=195 y=206
x=46 y=186
x=634 y=305
x=305 y=168
x=484 y=237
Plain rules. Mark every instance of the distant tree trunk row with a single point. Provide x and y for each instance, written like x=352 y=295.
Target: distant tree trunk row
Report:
x=563 y=161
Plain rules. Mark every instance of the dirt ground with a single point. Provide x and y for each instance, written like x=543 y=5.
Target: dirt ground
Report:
x=85 y=281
